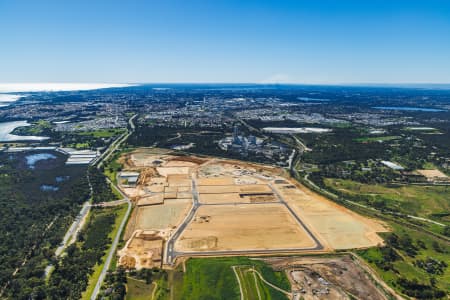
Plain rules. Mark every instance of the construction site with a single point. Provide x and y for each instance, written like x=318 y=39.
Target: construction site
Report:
x=197 y=206
x=340 y=277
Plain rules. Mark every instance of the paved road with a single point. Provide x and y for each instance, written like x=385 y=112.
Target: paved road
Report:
x=113 y=147
x=73 y=229
x=112 y=252
x=170 y=251
x=301 y=144
x=171 y=254
x=111 y=203
x=113 y=248
x=318 y=246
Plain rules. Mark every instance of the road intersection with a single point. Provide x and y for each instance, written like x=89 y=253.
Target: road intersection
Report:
x=172 y=254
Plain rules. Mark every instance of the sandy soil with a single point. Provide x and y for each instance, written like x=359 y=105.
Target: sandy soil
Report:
x=220 y=198
x=151 y=200
x=234 y=198
x=133 y=192
x=165 y=171
x=432 y=174
x=168 y=215
x=184 y=195
x=244 y=188
x=140 y=159
x=143 y=250
x=179 y=180
x=223 y=180
x=226 y=226
x=243 y=227
x=178 y=163
x=170 y=189
x=338 y=226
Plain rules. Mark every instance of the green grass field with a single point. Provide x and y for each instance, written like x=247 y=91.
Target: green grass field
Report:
x=116 y=192
x=105 y=133
x=423 y=201
x=429 y=166
x=377 y=139
x=112 y=167
x=213 y=278
x=253 y=288
x=138 y=289
x=93 y=278
x=405 y=266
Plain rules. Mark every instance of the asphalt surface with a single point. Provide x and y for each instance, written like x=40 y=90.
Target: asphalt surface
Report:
x=112 y=250
x=170 y=252
x=319 y=246
x=73 y=229
x=113 y=147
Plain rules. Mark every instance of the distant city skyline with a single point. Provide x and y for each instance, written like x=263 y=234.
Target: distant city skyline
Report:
x=298 y=42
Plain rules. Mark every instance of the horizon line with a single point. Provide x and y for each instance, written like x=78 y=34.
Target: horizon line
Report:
x=21 y=87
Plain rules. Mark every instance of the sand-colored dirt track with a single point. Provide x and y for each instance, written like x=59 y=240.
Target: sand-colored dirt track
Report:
x=243 y=227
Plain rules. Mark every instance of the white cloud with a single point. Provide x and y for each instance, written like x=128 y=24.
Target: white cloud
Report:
x=277 y=78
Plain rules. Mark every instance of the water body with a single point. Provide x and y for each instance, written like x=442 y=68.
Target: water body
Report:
x=53 y=87
x=49 y=188
x=409 y=108
x=60 y=179
x=32 y=159
x=7 y=127
x=7 y=99
x=312 y=99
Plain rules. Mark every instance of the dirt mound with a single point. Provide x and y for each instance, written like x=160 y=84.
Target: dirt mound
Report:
x=262 y=198
x=328 y=278
x=207 y=243
x=193 y=159
x=146 y=175
x=127 y=262
x=143 y=250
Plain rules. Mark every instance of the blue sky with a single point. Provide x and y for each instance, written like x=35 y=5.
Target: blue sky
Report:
x=314 y=41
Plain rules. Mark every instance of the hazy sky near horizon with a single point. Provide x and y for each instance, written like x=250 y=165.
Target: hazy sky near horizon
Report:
x=339 y=41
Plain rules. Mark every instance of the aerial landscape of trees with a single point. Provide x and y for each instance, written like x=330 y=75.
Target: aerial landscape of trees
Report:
x=70 y=277
x=34 y=221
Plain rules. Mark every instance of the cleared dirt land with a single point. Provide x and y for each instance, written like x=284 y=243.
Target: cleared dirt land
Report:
x=338 y=226
x=168 y=215
x=328 y=278
x=144 y=250
x=241 y=207
x=433 y=174
x=243 y=227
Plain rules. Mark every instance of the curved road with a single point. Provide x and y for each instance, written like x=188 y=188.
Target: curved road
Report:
x=170 y=253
